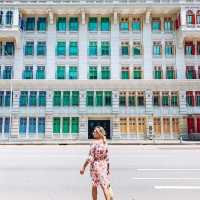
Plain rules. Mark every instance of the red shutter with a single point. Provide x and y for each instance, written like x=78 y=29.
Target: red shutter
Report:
x=198 y=125
x=193 y=49
x=179 y=19
x=190 y=123
x=193 y=19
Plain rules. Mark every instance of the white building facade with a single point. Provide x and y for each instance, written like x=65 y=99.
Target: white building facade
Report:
x=67 y=66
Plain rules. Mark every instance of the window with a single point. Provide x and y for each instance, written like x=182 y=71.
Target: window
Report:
x=136 y=24
x=1 y=49
x=61 y=24
x=57 y=98
x=175 y=125
x=66 y=98
x=107 y=98
x=99 y=98
x=137 y=73
x=33 y=98
x=1 y=18
x=158 y=72
x=174 y=99
x=197 y=98
x=73 y=48
x=28 y=72
x=165 y=99
x=7 y=73
x=42 y=98
x=105 y=48
x=157 y=49
x=169 y=49
x=73 y=24
x=8 y=98
x=124 y=24
x=137 y=49
x=125 y=73
x=23 y=98
x=156 y=98
x=41 y=125
x=156 y=24
x=131 y=99
x=168 y=25
x=42 y=24
x=105 y=24
x=75 y=98
x=170 y=73
x=61 y=72
x=1 y=125
x=7 y=125
x=122 y=99
x=198 y=17
x=40 y=72
x=190 y=17
x=9 y=18
x=1 y=98
x=66 y=125
x=189 y=98
x=199 y=72
x=29 y=48
x=22 y=125
x=41 y=48
x=56 y=125
x=30 y=24
x=105 y=72
x=92 y=72
x=132 y=125
x=189 y=48
x=190 y=72
x=140 y=98
x=73 y=72
x=92 y=24
x=123 y=125
x=141 y=125
x=61 y=49
x=125 y=48
x=191 y=125
x=92 y=48
x=90 y=98
x=32 y=125
x=74 y=125
x=9 y=49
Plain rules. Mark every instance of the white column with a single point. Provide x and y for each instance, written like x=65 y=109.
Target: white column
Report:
x=82 y=106
x=147 y=43
x=48 y=125
x=18 y=61
x=14 y=126
x=180 y=58
x=51 y=42
x=16 y=17
x=115 y=127
x=183 y=16
x=115 y=68
x=115 y=101
x=83 y=47
x=83 y=133
x=182 y=102
x=148 y=102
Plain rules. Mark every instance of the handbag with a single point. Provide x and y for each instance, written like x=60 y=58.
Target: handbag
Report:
x=110 y=192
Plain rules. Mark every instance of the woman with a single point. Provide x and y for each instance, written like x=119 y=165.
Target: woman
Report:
x=99 y=164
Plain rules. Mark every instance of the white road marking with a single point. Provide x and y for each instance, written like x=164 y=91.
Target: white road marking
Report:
x=166 y=178
x=175 y=187
x=170 y=169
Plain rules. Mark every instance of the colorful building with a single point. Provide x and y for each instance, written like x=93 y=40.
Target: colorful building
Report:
x=131 y=66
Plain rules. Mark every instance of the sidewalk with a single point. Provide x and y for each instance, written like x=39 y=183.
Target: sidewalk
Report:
x=87 y=142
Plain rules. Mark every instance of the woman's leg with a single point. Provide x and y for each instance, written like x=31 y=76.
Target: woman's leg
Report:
x=94 y=192
x=106 y=192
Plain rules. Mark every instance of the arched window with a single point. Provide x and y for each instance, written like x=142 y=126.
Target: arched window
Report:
x=9 y=17
x=198 y=17
x=190 y=17
x=1 y=17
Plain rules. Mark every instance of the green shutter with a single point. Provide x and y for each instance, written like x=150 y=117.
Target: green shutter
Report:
x=61 y=24
x=56 y=125
x=90 y=98
x=42 y=98
x=165 y=100
x=73 y=49
x=75 y=98
x=73 y=24
x=174 y=100
x=122 y=100
x=105 y=73
x=66 y=98
x=99 y=98
x=105 y=24
x=66 y=125
x=61 y=73
x=57 y=98
x=170 y=74
x=157 y=74
x=92 y=72
x=74 y=125
x=61 y=49
x=92 y=24
x=125 y=75
x=73 y=72
x=137 y=74
x=108 y=98
x=131 y=101
x=33 y=98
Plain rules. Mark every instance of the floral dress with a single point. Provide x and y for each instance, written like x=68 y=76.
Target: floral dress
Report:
x=99 y=164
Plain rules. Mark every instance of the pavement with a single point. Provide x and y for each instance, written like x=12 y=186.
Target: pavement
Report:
x=139 y=172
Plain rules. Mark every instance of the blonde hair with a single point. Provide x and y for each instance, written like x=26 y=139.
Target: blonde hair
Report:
x=102 y=133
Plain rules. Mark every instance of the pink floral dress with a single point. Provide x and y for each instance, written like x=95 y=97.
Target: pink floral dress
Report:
x=99 y=164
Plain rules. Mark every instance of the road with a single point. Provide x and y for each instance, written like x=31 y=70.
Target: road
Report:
x=141 y=172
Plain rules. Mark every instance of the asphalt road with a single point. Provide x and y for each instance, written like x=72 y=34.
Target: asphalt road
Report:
x=138 y=173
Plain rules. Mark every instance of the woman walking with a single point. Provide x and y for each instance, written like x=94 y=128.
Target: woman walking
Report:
x=99 y=164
